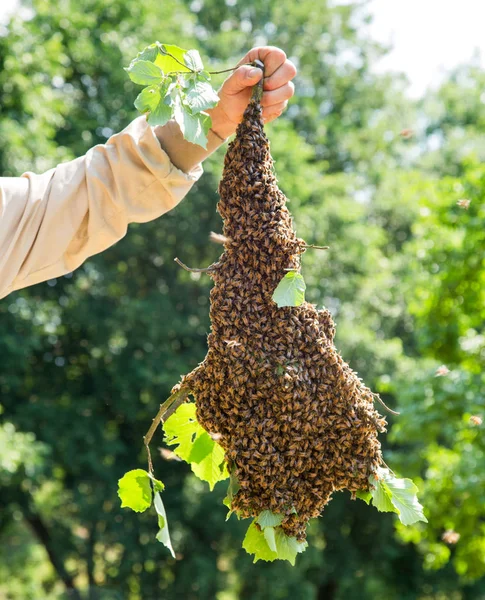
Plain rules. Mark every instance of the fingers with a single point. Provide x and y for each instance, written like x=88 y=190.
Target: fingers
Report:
x=243 y=77
x=278 y=70
x=282 y=75
x=276 y=97
x=271 y=56
x=272 y=112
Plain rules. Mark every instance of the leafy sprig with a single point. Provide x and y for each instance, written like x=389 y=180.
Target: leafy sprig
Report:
x=137 y=490
x=176 y=87
x=266 y=540
x=194 y=445
x=390 y=494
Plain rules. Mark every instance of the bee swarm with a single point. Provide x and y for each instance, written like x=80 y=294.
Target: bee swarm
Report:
x=295 y=421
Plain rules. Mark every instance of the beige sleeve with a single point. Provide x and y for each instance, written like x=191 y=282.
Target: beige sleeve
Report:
x=51 y=223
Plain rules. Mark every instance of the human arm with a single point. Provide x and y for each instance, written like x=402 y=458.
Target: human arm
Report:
x=51 y=223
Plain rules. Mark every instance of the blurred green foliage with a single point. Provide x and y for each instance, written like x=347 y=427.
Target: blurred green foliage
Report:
x=87 y=358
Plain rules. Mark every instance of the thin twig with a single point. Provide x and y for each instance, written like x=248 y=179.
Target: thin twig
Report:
x=315 y=247
x=219 y=238
x=387 y=466
x=227 y=70
x=377 y=397
x=162 y=51
x=207 y=270
x=166 y=410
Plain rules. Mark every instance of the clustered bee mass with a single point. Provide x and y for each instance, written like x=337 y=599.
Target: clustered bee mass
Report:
x=295 y=422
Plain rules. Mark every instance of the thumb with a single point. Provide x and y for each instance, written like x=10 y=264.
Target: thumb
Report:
x=242 y=78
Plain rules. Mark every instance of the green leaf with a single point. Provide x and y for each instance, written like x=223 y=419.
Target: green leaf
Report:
x=153 y=100
x=182 y=429
x=397 y=495
x=135 y=491
x=404 y=497
x=260 y=544
x=290 y=291
x=255 y=543
x=193 y=61
x=148 y=99
x=269 y=519
x=363 y=495
x=160 y=115
x=288 y=547
x=381 y=498
x=144 y=72
x=269 y=536
x=212 y=468
x=202 y=446
x=232 y=489
x=149 y=53
x=200 y=96
x=163 y=535
x=207 y=460
x=194 y=127
x=168 y=64
x=204 y=76
x=157 y=485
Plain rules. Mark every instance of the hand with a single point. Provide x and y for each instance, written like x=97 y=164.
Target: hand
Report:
x=236 y=90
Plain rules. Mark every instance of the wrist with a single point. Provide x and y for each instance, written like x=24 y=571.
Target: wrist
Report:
x=221 y=126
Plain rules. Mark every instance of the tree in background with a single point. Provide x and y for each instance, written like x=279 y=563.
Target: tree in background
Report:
x=87 y=358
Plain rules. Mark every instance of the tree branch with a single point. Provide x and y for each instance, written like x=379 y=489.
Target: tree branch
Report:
x=227 y=70
x=166 y=410
x=316 y=247
x=207 y=270
x=377 y=397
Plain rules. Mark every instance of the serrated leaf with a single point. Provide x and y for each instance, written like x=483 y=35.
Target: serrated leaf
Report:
x=135 y=491
x=202 y=446
x=269 y=536
x=157 y=485
x=160 y=115
x=212 y=468
x=363 y=495
x=200 y=96
x=194 y=127
x=183 y=430
x=149 y=53
x=163 y=535
x=232 y=489
x=288 y=547
x=234 y=486
x=255 y=543
x=144 y=72
x=381 y=497
x=153 y=100
x=193 y=61
x=148 y=99
x=403 y=494
x=269 y=519
x=396 y=495
x=168 y=64
x=290 y=291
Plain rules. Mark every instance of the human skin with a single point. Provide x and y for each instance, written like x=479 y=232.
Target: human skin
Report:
x=234 y=97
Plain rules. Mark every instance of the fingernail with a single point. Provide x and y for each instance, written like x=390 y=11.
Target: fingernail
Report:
x=254 y=72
